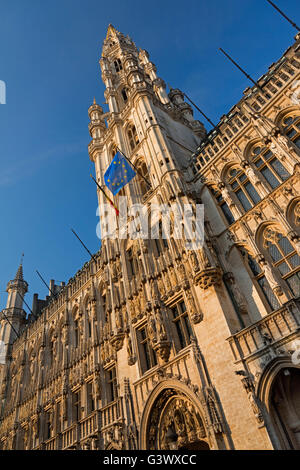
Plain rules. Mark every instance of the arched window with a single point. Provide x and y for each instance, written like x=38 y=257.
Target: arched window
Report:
x=284 y=257
x=243 y=188
x=130 y=261
x=76 y=332
x=132 y=136
x=142 y=177
x=124 y=95
x=261 y=280
x=291 y=127
x=51 y=350
x=118 y=65
x=89 y=326
x=103 y=302
x=269 y=166
x=223 y=205
x=160 y=242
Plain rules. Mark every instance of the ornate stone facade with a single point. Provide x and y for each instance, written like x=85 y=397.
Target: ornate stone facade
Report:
x=152 y=345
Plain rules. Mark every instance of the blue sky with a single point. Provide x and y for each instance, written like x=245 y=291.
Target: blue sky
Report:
x=49 y=52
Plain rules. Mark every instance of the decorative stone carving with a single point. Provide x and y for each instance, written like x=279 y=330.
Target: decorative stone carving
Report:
x=117 y=341
x=151 y=327
x=97 y=387
x=267 y=270
x=130 y=355
x=250 y=390
x=212 y=409
x=194 y=260
x=236 y=292
x=160 y=327
x=195 y=313
x=208 y=277
x=162 y=348
x=176 y=413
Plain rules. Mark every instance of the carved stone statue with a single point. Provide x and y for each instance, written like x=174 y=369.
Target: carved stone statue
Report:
x=267 y=270
x=129 y=347
x=151 y=328
x=255 y=407
x=237 y=294
x=160 y=328
x=204 y=260
x=97 y=387
x=194 y=260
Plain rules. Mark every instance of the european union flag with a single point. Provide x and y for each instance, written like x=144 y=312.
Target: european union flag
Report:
x=118 y=174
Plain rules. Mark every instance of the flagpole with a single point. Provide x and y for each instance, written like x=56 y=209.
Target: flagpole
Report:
x=198 y=109
x=136 y=169
x=25 y=303
x=240 y=68
x=84 y=246
x=284 y=15
x=43 y=280
x=101 y=189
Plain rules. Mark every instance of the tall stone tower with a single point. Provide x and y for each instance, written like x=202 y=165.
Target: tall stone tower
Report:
x=154 y=129
x=12 y=318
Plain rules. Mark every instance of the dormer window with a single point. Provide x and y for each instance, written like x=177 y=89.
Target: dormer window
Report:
x=118 y=65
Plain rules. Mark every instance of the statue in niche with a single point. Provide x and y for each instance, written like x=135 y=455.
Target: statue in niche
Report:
x=129 y=347
x=194 y=261
x=160 y=328
x=204 y=260
x=168 y=283
x=97 y=387
x=237 y=294
x=151 y=328
x=161 y=286
x=267 y=270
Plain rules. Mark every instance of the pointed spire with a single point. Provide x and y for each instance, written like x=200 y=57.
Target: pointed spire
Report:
x=94 y=102
x=110 y=29
x=19 y=275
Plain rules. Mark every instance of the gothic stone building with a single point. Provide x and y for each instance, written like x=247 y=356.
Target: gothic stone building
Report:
x=151 y=345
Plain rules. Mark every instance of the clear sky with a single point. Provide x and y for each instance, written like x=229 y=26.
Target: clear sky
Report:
x=49 y=52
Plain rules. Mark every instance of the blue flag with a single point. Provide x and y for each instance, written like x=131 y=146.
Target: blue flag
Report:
x=118 y=174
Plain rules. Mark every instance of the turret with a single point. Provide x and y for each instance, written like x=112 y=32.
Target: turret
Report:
x=13 y=317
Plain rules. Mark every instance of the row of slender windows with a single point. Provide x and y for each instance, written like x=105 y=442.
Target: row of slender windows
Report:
x=267 y=164
x=271 y=169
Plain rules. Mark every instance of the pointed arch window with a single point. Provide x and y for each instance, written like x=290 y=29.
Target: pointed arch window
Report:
x=118 y=65
x=51 y=351
x=284 y=257
x=261 y=281
x=89 y=327
x=132 y=136
x=130 y=262
x=142 y=177
x=159 y=240
x=103 y=302
x=291 y=127
x=76 y=332
x=269 y=166
x=124 y=94
x=243 y=188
